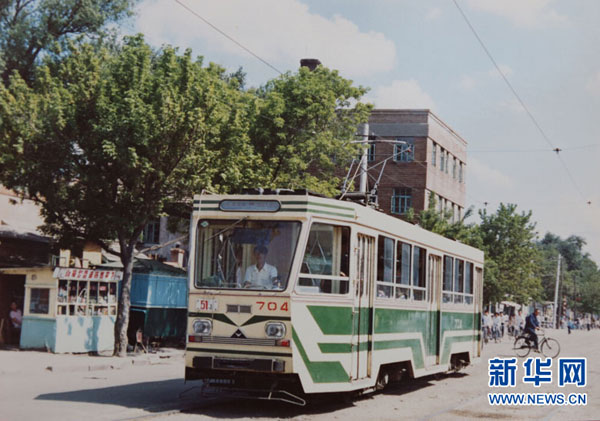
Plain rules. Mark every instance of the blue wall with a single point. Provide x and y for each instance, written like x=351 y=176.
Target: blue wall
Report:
x=154 y=290
x=38 y=332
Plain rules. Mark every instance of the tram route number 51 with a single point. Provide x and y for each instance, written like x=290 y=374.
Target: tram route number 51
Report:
x=272 y=305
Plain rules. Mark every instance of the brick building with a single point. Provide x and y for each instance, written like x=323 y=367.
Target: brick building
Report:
x=431 y=161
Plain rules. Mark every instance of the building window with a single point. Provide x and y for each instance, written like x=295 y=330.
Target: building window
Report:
x=404 y=152
x=371 y=153
x=460 y=173
x=401 y=200
x=151 y=234
x=433 y=154
x=454 y=169
x=39 y=302
x=442 y=159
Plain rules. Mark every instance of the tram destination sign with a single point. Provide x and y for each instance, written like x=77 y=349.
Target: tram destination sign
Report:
x=249 y=205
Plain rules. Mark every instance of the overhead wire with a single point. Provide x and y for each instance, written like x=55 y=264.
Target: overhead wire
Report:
x=220 y=31
x=518 y=97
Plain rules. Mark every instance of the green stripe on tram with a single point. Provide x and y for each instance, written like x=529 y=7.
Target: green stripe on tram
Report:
x=321 y=371
x=343 y=348
x=333 y=320
x=445 y=357
x=413 y=344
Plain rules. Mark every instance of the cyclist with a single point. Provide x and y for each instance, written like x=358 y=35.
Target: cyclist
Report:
x=531 y=325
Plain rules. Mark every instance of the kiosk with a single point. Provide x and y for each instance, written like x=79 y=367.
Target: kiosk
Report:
x=69 y=309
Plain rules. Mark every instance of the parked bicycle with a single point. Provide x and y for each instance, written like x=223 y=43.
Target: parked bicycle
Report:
x=549 y=347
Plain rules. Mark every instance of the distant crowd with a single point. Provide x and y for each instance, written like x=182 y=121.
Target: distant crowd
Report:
x=496 y=325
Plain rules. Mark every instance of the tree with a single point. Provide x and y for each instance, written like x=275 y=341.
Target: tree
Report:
x=508 y=240
x=580 y=277
x=303 y=126
x=440 y=222
x=107 y=137
x=30 y=28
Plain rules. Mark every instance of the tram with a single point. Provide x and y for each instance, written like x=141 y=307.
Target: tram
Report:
x=292 y=294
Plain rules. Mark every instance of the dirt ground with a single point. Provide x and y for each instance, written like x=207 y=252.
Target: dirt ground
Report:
x=156 y=391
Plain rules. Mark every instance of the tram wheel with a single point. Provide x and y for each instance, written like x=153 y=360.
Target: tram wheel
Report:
x=382 y=380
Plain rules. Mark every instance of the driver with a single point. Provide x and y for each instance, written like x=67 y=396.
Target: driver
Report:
x=261 y=274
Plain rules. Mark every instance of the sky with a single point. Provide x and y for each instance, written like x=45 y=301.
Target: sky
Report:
x=422 y=54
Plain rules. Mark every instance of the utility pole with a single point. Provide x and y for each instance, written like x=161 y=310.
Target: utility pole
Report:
x=554 y=312
x=363 y=159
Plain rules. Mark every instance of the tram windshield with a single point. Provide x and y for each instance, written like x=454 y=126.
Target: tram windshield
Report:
x=245 y=254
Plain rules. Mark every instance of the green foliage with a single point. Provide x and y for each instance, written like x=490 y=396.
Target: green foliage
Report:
x=104 y=140
x=302 y=126
x=441 y=223
x=30 y=28
x=508 y=241
x=107 y=137
x=579 y=276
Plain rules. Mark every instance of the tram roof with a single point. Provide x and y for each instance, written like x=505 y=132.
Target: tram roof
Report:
x=292 y=205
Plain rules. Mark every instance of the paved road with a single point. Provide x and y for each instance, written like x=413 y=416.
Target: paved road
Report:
x=158 y=392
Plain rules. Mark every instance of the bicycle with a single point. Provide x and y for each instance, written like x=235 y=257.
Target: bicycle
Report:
x=549 y=347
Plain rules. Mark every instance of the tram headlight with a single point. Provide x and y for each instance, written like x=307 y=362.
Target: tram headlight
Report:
x=202 y=327
x=275 y=330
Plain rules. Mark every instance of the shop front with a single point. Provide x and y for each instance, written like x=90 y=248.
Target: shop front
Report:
x=69 y=309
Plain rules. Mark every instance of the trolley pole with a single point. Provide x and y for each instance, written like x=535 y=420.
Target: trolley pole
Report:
x=554 y=312
x=363 y=159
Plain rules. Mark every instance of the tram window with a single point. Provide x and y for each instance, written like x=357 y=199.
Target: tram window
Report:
x=448 y=264
x=469 y=278
x=246 y=254
x=448 y=269
x=459 y=267
x=419 y=256
x=469 y=283
x=418 y=279
x=325 y=266
x=385 y=259
x=403 y=263
x=385 y=291
x=403 y=293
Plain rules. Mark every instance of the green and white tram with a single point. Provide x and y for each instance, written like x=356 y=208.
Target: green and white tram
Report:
x=294 y=293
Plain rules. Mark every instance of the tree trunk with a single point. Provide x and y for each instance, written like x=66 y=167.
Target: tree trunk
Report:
x=122 y=322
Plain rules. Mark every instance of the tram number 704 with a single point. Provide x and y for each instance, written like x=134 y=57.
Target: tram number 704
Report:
x=272 y=305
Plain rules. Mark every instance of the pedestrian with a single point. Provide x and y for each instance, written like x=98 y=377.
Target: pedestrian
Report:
x=486 y=322
x=496 y=327
x=519 y=322
x=16 y=320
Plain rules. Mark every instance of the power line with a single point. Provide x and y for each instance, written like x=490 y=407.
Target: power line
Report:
x=228 y=37
x=513 y=90
x=533 y=150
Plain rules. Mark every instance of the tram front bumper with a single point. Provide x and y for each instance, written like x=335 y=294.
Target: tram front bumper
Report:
x=270 y=365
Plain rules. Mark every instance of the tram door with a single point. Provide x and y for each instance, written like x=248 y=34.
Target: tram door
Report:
x=434 y=278
x=478 y=297
x=363 y=303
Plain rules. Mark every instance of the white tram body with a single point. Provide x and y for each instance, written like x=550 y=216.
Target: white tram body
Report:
x=344 y=299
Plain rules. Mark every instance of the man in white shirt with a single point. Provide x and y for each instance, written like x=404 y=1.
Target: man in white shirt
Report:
x=261 y=274
x=16 y=319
